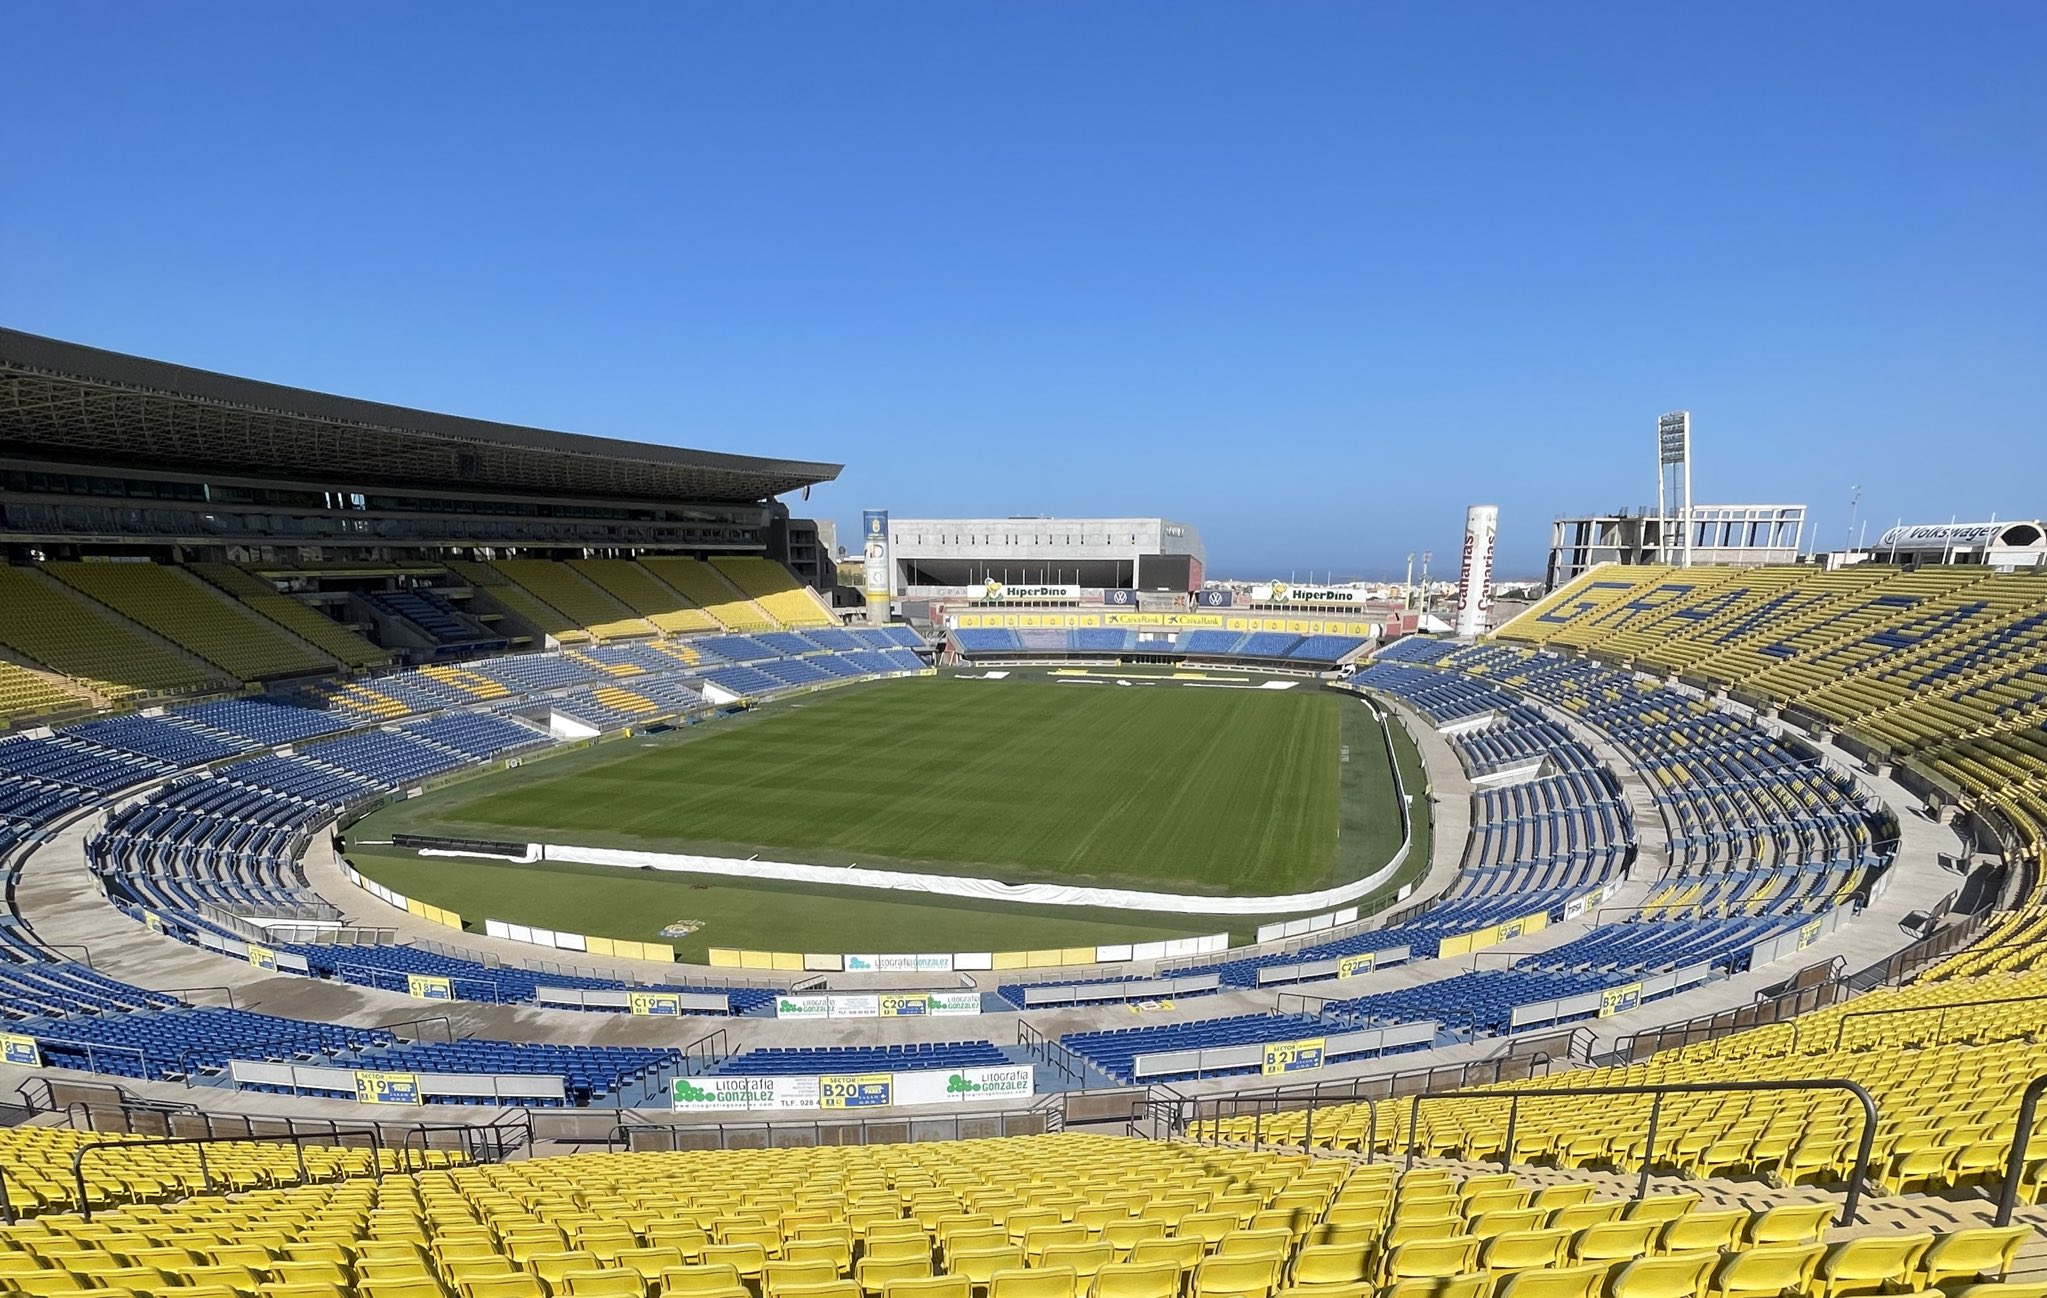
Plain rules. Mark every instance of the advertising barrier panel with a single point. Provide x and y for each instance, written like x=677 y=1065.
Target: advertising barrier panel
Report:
x=386 y=1088
x=1350 y=966
x=856 y=1090
x=262 y=956
x=428 y=987
x=1619 y=1000
x=658 y=1005
x=1300 y=1056
x=21 y=1050
x=852 y=1091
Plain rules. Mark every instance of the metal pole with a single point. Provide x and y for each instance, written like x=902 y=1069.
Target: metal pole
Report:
x=2015 y=1167
x=1649 y=1146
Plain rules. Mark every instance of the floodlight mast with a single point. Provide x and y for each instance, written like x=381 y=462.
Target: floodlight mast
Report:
x=1674 y=486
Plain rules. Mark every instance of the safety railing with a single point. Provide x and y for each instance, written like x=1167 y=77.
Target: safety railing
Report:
x=200 y=1144
x=398 y=1027
x=1725 y=1023
x=1657 y=1093
x=1912 y=958
x=1062 y=1057
x=1940 y=1013
x=1206 y=1114
x=94 y=1053
x=710 y=1048
x=180 y=992
x=2015 y=1165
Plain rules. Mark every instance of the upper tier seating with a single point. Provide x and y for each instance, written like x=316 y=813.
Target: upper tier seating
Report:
x=323 y=632
x=521 y=603
x=775 y=589
x=196 y=617
x=709 y=590
x=58 y=629
x=26 y=693
x=647 y=595
x=586 y=604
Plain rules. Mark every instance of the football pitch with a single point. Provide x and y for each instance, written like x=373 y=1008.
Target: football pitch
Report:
x=1034 y=778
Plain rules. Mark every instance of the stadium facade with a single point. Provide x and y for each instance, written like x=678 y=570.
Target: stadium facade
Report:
x=1042 y=560
x=1720 y=536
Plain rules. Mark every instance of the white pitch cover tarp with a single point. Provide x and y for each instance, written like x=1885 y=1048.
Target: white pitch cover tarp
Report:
x=953 y=885
x=944 y=1086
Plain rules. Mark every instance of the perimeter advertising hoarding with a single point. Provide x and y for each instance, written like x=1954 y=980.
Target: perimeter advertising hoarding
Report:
x=855 y=1091
x=1215 y=598
x=843 y=1005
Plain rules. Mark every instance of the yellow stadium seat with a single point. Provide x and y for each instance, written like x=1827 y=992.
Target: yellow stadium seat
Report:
x=1767 y=1272
x=517 y=1284
x=602 y=1283
x=1563 y=1282
x=930 y=1286
x=1982 y=1254
x=1868 y=1265
x=1802 y=1223
x=1233 y=1277
x=1675 y=1275
x=1034 y=1283
x=1137 y=1280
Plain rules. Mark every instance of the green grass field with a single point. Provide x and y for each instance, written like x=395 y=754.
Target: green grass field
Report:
x=1161 y=787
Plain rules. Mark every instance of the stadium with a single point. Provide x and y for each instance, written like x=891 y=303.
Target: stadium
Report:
x=1683 y=933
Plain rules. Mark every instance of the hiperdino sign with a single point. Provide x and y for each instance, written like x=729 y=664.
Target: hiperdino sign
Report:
x=1280 y=592
x=999 y=592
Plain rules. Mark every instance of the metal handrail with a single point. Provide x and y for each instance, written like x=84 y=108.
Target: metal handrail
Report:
x=2015 y=1166
x=713 y=1045
x=447 y=1025
x=1841 y=1024
x=1657 y=1092
x=201 y=1142
x=1727 y=1022
x=175 y=991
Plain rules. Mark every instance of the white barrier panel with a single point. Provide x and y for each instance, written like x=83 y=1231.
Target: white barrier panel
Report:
x=1652 y=986
x=851 y=1091
x=622 y=998
x=1327 y=967
x=1308 y=924
x=1363 y=1041
x=1123 y=989
x=308 y=1078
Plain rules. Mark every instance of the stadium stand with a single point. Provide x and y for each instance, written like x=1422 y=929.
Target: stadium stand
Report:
x=26 y=693
x=707 y=588
x=434 y=617
x=647 y=595
x=196 y=617
x=317 y=629
x=1084 y=642
x=560 y=586
x=56 y=627
x=494 y=587
x=775 y=590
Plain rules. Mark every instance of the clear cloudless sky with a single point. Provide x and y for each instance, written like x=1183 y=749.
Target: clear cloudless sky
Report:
x=1313 y=277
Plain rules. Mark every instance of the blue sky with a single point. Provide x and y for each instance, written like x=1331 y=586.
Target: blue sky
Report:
x=1311 y=276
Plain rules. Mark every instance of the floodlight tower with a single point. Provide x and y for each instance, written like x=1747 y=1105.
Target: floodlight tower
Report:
x=1674 y=485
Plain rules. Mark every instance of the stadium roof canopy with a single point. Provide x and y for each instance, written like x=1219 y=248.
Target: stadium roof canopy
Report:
x=61 y=402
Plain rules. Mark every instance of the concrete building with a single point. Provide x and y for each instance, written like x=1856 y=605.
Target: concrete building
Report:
x=1041 y=560
x=1721 y=536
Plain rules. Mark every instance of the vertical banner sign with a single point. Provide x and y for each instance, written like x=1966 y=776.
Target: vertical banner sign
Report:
x=427 y=987
x=856 y=1090
x=386 y=1088
x=659 y=1005
x=262 y=956
x=1301 y=1056
x=153 y=921
x=874 y=538
x=1475 y=574
x=1619 y=1000
x=17 y=1049
x=1808 y=933
x=903 y=1007
x=1351 y=966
